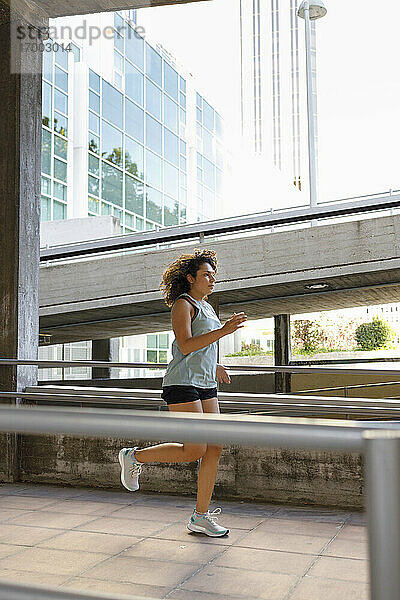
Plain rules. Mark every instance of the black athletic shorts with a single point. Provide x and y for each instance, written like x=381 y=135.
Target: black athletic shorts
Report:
x=176 y=394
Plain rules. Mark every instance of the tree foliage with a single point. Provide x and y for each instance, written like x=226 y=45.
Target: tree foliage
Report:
x=373 y=335
x=307 y=335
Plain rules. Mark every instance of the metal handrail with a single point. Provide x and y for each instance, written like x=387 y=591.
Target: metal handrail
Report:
x=348 y=387
x=220 y=226
x=132 y=365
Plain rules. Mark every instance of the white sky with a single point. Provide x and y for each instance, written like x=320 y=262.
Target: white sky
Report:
x=357 y=74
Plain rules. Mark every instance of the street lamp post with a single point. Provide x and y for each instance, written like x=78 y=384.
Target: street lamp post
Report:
x=310 y=10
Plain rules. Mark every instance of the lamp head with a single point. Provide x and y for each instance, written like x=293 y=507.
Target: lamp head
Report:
x=317 y=9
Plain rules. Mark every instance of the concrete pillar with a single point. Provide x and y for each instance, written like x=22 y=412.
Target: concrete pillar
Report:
x=105 y=350
x=213 y=299
x=282 y=353
x=20 y=165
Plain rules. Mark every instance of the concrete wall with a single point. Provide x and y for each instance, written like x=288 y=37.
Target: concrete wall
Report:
x=69 y=231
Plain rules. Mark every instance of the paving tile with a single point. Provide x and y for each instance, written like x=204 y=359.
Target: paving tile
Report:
x=83 y=507
x=358 y=533
x=187 y=552
x=123 y=526
x=9 y=549
x=142 y=570
x=150 y=513
x=25 y=536
x=254 y=559
x=124 y=497
x=285 y=542
x=86 y=541
x=115 y=587
x=25 y=502
x=311 y=514
x=239 y=521
x=41 y=518
x=58 y=562
x=9 y=513
x=311 y=588
x=181 y=533
x=240 y=582
x=299 y=527
x=44 y=491
x=191 y=595
x=48 y=579
x=346 y=569
x=347 y=549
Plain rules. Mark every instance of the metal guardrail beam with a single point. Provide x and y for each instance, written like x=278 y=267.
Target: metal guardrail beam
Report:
x=218 y=227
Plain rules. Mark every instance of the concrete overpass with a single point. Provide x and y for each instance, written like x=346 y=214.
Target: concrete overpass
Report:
x=264 y=275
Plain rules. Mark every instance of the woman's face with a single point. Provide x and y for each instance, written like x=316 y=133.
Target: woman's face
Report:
x=205 y=280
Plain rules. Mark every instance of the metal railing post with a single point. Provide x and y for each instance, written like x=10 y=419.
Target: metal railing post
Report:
x=382 y=457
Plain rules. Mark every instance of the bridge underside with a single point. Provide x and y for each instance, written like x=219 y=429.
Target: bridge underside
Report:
x=270 y=281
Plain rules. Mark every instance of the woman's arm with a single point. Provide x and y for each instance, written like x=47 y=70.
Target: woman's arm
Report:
x=181 y=323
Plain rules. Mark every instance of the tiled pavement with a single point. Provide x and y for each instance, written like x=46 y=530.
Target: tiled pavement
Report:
x=138 y=545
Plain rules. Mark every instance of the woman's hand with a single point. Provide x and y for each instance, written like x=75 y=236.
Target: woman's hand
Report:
x=222 y=374
x=234 y=323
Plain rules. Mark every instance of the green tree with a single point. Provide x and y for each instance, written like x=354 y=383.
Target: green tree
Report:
x=374 y=335
x=307 y=335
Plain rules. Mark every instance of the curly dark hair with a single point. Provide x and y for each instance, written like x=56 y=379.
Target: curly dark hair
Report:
x=174 y=281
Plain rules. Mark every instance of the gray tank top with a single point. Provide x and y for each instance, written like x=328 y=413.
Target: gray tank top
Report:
x=197 y=368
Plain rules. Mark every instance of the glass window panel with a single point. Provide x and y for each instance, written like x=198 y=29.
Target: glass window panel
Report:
x=170 y=114
x=134 y=157
x=171 y=212
x=60 y=169
x=183 y=195
x=139 y=224
x=59 y=211
x=94 y=166
x=111 y=184
x=219 y=157
x=162 y=356
x=219 y=180
x=118 y=80
x=76 y=51
x=48 y=63
x=183 y=163
x=60 y=191
x=134 y=120
x=199 y=100
x=199 y=174
x=153 y=169
x=129 y=220
x=153 y=99
x=208 y=173
x=208 y=116
x=182 y=147
x=153 y=64
x=111 y=143
x=171 y=180
x=60 y=101
x=134 y=47
x=94 y=122
x=182 y=84
x=183 y=214
x=152 y=341
x=94 y=81
x=218 y=125
x=182 y=116
x=133 y=83
x=170 y=81
x=60 y=124
x=153 y=134
x=118 y=41
x=171 y=147
x=182 y=179
x=46 y=186
x=112 y=104
x=182 y=100
x=94 y=205
x=46 y=152
x=117 y=212
x=106 y=209
x=60 y=147
x=152 y=356
x=153 y=205
x=61 y=57
x=119 y=23
x=199 y=116
x=134 y=195
x=61 y=78
x=46 y=104
x=45 y=209
x=93 y=185
x=163 y=340
x=94 y=101
x=93 y=143
x=150 y=225
x=207 y=144
x=118 y=62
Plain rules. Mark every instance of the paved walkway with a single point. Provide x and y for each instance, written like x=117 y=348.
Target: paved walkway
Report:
x=137 y=544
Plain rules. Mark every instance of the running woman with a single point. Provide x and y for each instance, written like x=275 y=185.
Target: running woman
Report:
x=190 y=381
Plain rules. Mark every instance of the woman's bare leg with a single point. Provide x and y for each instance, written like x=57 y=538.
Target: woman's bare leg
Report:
x=208 y=465
x=174 y=452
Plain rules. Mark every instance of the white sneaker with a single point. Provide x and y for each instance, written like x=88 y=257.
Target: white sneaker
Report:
x=206 y=524
x=130 y=469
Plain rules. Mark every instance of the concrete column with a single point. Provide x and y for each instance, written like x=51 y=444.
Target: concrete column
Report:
x=213 y=299
x=105 y=350
x=20 y=165
x=282 y=353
